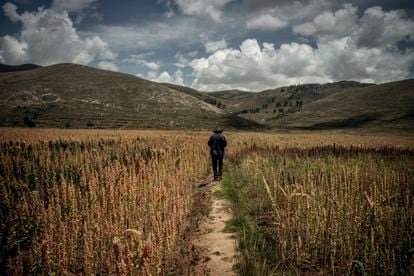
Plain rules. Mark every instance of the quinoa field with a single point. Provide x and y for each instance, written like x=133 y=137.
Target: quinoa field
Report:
x=117 y=202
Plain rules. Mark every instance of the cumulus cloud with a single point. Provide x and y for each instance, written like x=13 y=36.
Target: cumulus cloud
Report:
x=256 y=68
x=201 y=8
x=299 y=11
x=376 y=28
x=183 y=59
x=273 y=15
x=177 y=78
x=108 y=65
x=10 y=10
x=266 y=22
x=13 y=51
x=344 y=59
x=49 y=37
x=212 y=46
x=348 y=46
x=342 y=42
x=330 y=25
x=82 y=9
x=379 y=28
x=137 y=59
x=267 y=15
x=150 y=65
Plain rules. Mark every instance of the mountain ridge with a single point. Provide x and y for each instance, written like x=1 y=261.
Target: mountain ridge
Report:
x=78 y=96
x=70 y=95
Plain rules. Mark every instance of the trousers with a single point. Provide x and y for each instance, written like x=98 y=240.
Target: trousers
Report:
x=217 y=161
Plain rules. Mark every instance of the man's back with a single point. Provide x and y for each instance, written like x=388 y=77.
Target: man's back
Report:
x=217 y=143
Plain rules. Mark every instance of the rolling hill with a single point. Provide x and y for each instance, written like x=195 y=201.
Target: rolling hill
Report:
x=389 y=105
x=77 y=96
x=339 y=105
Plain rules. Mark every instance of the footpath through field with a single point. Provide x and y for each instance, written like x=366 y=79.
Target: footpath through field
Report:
x=220 y=247
x=207 y=248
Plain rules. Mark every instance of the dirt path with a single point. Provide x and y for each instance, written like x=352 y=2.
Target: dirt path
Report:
x=205 y=249
x=219 y=247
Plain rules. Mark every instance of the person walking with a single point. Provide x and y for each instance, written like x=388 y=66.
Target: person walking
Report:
x=217 y=143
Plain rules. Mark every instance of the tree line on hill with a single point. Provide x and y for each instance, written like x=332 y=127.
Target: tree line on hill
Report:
x=278 y=107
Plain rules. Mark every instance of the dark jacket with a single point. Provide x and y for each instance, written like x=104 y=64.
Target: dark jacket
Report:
x=217 y=143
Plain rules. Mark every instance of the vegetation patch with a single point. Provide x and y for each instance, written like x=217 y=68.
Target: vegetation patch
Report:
x=122 y=202
x=323 y=210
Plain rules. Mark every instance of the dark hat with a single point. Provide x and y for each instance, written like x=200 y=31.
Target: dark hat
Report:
x=218 y=130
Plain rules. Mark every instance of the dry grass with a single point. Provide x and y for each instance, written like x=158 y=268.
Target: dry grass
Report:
x=102 y=201
x=335 y=210
x=95 y=202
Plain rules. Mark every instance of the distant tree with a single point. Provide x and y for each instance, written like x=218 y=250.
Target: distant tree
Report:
x=264 y=106
x=89 y=124
x=274 y=111
x=211 y=101
x=278 y=104
x=273 y=99
x=285 y=104
x=28 y=122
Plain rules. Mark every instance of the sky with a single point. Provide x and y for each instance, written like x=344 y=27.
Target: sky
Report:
x=215 y=45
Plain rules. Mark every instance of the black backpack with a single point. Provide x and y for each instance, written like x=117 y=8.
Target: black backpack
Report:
x=215 y=149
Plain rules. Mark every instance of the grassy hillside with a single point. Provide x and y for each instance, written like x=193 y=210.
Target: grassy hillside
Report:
x=339 y=105
x=281 y=97
x=389 y=105
x=206 y=97
x=77 y=96
x=231 y=94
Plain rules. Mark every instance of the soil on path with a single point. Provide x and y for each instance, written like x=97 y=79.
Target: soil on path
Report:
x=220 y=246
x=206 y=249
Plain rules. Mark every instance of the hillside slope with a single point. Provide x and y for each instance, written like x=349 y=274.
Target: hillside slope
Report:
x=389 y=105
x=77 y=96
x=281 y=97
x=340 y=105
